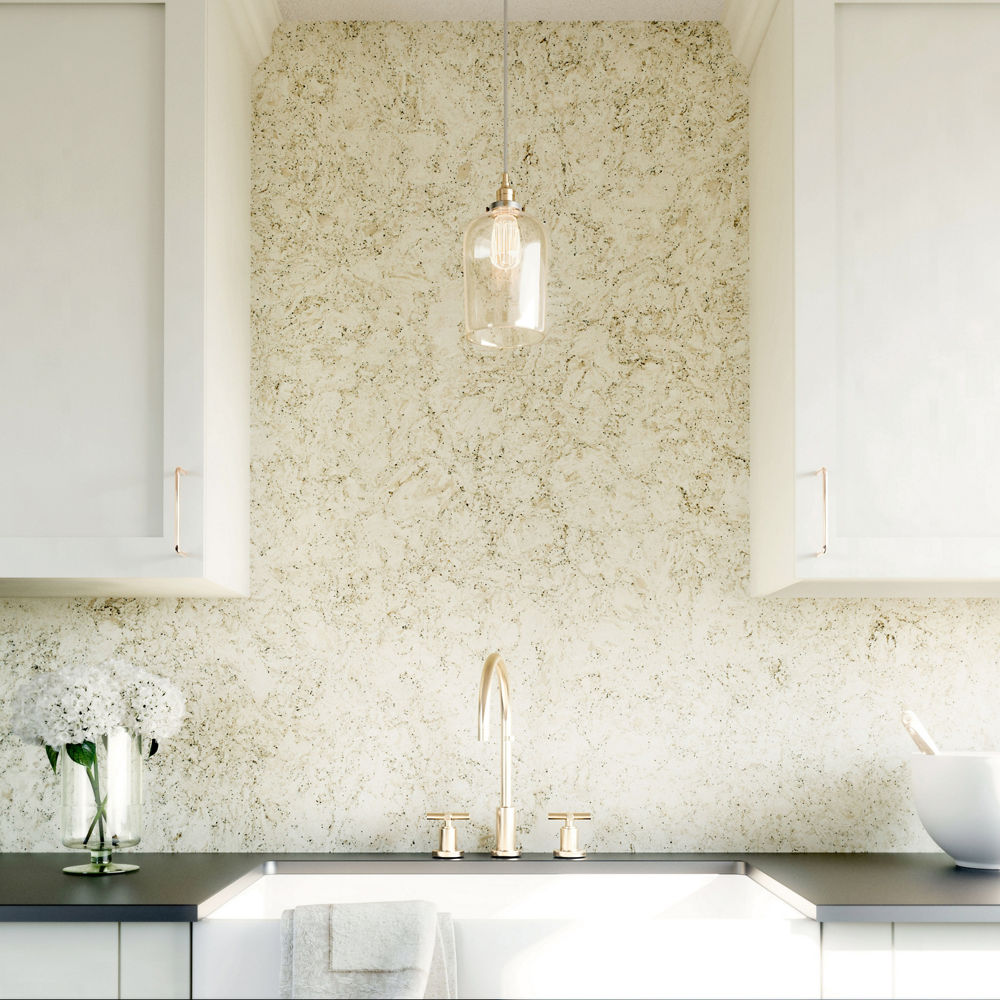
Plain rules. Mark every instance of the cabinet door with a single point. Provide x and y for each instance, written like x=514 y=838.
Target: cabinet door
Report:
x=40 y=960
x=856 y=961
x=85 y=379
x=945 y=961
x=124 y=306
x=155 y=961
x=887 y=411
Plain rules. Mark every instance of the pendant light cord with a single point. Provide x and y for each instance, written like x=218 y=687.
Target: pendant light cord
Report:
x=505 y=86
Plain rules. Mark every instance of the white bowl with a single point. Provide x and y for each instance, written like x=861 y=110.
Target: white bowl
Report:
x=958 y=800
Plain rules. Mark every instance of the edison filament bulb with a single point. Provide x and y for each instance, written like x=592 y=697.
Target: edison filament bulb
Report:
x=505 y=240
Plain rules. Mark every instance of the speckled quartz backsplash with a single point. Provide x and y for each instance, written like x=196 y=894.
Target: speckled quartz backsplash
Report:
x=582 y=507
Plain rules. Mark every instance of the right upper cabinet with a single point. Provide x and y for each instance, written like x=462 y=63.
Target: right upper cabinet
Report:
x=875 y=300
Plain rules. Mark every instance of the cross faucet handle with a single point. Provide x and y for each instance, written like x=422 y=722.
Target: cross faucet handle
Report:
x=448 y=843
x=569 y=841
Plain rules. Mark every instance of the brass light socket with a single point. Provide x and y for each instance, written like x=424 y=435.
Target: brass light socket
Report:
x=506 y=190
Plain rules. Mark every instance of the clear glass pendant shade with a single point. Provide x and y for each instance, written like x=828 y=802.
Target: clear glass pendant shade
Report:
x=505 y=260
x=505 y=263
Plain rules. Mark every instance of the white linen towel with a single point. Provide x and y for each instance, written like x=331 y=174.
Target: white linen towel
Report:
x=368 y=951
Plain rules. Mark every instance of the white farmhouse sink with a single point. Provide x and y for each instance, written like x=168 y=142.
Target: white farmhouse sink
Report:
x=542 y=929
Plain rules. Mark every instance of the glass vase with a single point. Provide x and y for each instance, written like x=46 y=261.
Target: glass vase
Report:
x=102 y=799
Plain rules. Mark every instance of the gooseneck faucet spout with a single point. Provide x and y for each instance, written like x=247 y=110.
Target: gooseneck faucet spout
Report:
x=494 y=667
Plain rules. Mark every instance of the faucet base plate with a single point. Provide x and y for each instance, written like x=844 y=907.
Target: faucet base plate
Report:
x=506 y=854
x=448 y=855
x=572 y=855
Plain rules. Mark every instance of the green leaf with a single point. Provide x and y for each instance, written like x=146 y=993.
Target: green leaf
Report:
x=153 y=747
x=53 y=756
x=84 y=754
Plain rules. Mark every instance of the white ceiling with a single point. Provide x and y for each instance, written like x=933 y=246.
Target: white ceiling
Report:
x=492 y=10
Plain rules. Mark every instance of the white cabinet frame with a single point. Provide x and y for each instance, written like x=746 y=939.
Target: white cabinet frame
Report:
x=797 y=547
x=209 y=55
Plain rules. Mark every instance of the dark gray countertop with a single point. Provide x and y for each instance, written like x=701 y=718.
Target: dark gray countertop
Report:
x=900 y=888
x=905 y=888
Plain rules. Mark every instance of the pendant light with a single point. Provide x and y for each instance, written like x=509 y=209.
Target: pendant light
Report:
x=505 y=262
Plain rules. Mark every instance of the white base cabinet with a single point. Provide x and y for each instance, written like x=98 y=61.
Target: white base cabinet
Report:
x=734 y=958
x=873 y=268
x=953 y=961
x=95 y=961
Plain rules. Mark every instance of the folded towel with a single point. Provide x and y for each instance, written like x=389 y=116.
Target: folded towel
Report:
x=368 y=951
x=442 y=978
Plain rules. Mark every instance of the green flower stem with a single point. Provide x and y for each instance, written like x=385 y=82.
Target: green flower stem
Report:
x=95 y=784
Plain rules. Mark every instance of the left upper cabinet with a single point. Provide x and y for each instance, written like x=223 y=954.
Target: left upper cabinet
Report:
x=124 y=295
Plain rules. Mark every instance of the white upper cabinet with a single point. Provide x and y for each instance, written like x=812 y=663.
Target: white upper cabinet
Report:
x=875 y=300
x=124 y=310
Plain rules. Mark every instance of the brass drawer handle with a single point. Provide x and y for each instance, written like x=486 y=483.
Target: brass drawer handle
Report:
x=178 y=472
x=824 y=474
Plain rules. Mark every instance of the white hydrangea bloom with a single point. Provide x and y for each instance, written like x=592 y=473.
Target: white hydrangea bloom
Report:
x=81 y=701
x=68 y=705
x=152 y=705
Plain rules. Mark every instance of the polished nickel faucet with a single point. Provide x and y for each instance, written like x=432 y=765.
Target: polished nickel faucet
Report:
x=506 y=842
